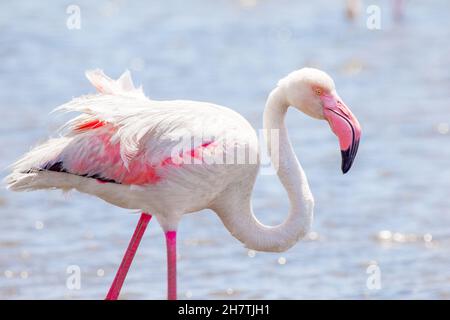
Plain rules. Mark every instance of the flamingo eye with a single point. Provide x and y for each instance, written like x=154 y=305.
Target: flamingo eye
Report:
x=318 y=91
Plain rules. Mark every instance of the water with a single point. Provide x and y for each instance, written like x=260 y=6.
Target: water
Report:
x=396 y=81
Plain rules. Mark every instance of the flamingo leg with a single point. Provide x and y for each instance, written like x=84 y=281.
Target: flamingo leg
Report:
x=171 y=243
x=398 y=9
x=121 y=274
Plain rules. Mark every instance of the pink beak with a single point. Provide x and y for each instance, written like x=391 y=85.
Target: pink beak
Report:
x=346 y=127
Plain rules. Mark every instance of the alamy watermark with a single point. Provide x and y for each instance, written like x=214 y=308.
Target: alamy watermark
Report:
x=373 y=21
x=373 y=281
x=73 y=21
x=229 y=150
x=73 y=281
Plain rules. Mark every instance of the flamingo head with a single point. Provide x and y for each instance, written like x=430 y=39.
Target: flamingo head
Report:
x=313 y=92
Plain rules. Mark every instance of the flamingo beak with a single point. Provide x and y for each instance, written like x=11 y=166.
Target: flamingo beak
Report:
x=344 y=125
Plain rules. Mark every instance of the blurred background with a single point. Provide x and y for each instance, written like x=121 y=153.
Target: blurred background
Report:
x=391 y=211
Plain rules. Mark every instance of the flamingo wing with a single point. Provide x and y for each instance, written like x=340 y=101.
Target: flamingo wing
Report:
x=123 y=137
x=123 y=140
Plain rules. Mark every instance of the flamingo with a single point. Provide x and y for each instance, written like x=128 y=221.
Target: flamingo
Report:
x=124 y=148
x=353 y=8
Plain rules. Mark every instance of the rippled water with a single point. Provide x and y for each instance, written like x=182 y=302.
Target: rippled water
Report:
x=392 y=209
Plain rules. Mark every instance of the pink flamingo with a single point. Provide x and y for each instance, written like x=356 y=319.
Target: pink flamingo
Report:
x=124 y=148
x=353 y=8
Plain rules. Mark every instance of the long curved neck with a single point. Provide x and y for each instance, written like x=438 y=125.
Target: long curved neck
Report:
x=237 y=213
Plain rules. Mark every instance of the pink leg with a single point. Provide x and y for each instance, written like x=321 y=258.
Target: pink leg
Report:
x=398 y=9
x=114 y=291
x=171 y=242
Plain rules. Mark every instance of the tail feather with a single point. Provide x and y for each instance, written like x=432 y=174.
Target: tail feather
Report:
x=26 y=174
x=110 y=110
x=17 y=181
x=123 y=86
x=36 y=180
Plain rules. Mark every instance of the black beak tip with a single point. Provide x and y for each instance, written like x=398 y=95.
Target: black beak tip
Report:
x=347 y=159
x=346 y=165
x=345 y=168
